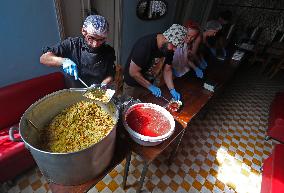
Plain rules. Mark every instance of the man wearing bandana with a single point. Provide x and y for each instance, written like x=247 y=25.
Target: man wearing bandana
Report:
x=87 y=57
x=151 y=55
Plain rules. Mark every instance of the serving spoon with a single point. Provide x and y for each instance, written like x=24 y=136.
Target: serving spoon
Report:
x=91 y=92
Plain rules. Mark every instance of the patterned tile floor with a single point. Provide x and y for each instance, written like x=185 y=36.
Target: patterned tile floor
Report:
x=222 y=152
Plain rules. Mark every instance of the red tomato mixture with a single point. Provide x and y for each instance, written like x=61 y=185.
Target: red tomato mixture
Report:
x=148 y=121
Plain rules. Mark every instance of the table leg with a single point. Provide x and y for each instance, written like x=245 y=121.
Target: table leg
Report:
x=141 y=182
x=126 y=169
x=173 y=153
x=264 y=65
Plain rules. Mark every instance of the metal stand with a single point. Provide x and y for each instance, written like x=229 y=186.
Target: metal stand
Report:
x=141 y=182
x=128 y=159
x=173 y=153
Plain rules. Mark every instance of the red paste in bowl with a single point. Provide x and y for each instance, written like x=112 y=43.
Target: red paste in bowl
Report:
x=148 y=121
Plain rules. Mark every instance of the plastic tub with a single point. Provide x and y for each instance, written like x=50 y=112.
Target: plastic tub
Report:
x=146 y=140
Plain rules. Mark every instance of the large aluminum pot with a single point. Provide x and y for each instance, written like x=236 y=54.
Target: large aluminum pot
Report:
x=65 y=168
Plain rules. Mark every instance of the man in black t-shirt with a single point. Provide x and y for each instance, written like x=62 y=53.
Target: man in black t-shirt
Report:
x=88 y=57
x=151 y=55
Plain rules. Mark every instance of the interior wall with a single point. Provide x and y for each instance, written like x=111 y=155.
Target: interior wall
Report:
x=26 y=27
x=195 y=10
x=106 y=9
x=133 y=28
x=268 y=14
x=111 y=10
x=72 y=17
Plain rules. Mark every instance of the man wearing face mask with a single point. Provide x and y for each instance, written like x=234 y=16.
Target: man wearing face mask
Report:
x=87 y=57
x=151 y=55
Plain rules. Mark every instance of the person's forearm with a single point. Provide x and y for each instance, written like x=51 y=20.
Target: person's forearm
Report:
x=140 y=79
x=191 y=65
x=193 y=57
x=49 y=59
x=107 y=80
x=168 y=77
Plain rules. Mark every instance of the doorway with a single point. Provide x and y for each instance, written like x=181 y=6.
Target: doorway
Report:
x=195 y=10
x=72 y=13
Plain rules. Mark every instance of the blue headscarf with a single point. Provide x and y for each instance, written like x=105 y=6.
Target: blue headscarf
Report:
x=96 y=25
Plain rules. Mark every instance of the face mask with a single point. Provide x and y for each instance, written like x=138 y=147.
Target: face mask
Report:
x=164 y=49
x=91 y=48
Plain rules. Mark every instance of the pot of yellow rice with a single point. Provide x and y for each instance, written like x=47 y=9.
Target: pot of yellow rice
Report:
x=71 y=138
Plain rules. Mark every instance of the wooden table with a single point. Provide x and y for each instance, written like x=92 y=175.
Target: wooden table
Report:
x=194 y=98
x=122 y=150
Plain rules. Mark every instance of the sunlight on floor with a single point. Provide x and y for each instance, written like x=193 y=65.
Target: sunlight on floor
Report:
x=237 y=175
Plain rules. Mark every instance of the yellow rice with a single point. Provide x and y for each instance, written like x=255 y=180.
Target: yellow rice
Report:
x=77 y=127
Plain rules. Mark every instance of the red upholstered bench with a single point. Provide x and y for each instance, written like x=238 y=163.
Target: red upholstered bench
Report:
x=14 y=100
x=273 y=172
x=276 y=118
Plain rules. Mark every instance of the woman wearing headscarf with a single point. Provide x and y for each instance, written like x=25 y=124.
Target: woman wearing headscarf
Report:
x=150 y=56
x=185 y=57
x=87 y=57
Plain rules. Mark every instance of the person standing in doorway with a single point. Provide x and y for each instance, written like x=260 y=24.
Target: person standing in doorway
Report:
x=87 y=57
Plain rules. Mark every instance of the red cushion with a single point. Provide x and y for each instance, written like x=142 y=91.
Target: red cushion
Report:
x=273 y=171
x=277 y=185
x=14 y=157
x=267 y=175
x=16 y=98
x=276 y=118
x=276 y=132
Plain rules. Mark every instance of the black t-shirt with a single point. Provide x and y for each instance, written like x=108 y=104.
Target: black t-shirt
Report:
x=94 y=64
x=146 y=54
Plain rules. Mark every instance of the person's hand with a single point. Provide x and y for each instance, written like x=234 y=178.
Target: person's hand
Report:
x=93 y=85
x=69 y=67
x=103 y=85
x=175 y=94
x=155 y=91
x=198 y=72
x=203 y=64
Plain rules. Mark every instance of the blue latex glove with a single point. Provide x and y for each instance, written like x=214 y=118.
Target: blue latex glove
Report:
x=203 y=64
x=155 y=91
x=69 y=67
x=213 y=51
x=198 y=72
x=103 y=85
x=175 y=94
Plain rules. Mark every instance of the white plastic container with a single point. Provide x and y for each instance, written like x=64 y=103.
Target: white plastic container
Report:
x=148 y=140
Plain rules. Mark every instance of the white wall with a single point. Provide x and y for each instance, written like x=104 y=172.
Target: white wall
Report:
x=133 y=28
x=72 y=17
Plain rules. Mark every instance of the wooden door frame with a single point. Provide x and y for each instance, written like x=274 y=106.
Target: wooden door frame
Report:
x=59 y=18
